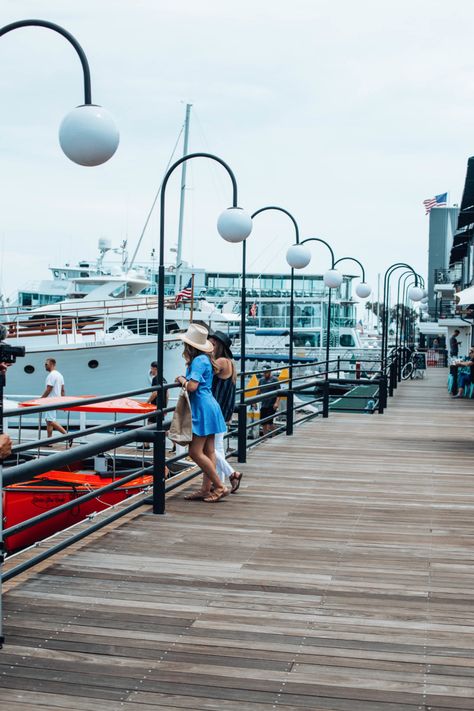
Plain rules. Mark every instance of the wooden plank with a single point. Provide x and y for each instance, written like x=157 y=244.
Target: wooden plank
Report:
x=338 y=579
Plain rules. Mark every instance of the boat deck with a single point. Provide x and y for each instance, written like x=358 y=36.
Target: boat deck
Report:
x=339 y=578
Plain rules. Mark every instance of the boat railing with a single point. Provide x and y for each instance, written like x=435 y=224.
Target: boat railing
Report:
x=304 y=393
x=86 y=320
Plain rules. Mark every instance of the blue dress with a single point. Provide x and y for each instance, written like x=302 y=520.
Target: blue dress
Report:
x=206 y=412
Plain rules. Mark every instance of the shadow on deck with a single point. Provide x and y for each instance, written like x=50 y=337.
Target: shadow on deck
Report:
x=338 y=578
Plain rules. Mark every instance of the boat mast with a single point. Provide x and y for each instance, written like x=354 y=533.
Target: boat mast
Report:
x=182 y=196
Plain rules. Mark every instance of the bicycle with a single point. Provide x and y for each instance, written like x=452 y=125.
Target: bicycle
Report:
x=415 y=368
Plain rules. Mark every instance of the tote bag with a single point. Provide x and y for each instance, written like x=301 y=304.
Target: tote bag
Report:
x=181 y=429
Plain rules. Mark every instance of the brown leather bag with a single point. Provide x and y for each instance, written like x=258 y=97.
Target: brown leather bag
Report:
x=181 y=429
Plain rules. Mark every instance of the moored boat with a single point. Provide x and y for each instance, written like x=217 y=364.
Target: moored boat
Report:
x=45 y=492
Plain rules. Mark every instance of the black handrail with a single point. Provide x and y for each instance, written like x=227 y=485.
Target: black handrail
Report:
x=145 y=433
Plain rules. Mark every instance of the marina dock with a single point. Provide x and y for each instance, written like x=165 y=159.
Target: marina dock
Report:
x=339 y=578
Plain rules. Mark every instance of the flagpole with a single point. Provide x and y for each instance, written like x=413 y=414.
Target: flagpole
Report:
x=192 y=299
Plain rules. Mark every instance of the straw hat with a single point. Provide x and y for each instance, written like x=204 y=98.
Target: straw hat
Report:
x=196 y=336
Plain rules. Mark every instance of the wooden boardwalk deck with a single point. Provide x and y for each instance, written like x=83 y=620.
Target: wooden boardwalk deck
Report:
x=340 y=578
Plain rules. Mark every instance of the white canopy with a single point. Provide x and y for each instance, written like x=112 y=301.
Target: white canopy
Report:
x=465 y=297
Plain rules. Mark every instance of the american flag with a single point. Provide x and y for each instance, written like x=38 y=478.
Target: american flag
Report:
x=436 y=201
x=185 y=293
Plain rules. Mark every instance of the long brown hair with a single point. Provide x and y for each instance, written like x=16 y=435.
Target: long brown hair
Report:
x=190 y=353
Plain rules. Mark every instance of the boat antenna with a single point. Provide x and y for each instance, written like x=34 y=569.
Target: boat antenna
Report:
x=155 y=200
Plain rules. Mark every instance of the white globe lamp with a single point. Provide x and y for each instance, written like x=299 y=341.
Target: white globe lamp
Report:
x=425 y=293
x=332 y=279
x=234 y=225
x=298 y=256
x=363 y=290
x=415 y=293
x=88 y=135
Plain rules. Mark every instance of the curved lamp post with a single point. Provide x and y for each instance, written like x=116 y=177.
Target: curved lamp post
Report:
x=400 y=322
x=243 y=306
x=87 y=134
x=298 y=257
x=407 y=287
x=363 y=290
x=234 y=225
x=415 y=293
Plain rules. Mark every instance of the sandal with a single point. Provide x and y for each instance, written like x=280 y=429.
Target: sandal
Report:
x=215 y=496
x=195 y=496
x=235 y=480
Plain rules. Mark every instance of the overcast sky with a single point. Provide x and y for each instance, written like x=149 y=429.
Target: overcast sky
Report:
x=348 y=114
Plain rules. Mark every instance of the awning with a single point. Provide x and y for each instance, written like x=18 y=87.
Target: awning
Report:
x=465 y=297
x=122 y=405
x=461 y=242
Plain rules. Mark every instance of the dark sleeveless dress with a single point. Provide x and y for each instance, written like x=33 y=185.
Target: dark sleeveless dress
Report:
x=224 y=393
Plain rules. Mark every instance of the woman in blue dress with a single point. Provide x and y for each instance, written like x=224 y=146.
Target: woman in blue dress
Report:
x=206 y=412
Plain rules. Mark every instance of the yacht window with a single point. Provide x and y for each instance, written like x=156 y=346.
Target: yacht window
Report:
x=306 y=340
x=346 y=340
x=119 y=292
x=85 y=288
x=93 y=364
x=29 y=369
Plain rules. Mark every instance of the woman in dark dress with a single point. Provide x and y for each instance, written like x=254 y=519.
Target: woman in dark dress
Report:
x=223 y=389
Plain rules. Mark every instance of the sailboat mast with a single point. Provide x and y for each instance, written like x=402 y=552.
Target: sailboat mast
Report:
x=182 y=196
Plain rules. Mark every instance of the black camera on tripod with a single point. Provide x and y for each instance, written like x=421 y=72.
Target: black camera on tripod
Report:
x=9 y=354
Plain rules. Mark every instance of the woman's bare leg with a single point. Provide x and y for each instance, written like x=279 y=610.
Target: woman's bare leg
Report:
x=199 y=453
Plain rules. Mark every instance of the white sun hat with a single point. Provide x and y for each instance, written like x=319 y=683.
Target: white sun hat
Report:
x=196 y=336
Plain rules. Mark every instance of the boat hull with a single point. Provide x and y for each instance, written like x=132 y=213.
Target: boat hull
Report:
x=97 y=368
x=24 y=501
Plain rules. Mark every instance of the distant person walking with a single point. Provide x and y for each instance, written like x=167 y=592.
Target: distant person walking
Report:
x=54 y=387
x=153 y=373
x=269 y=404
x=454 y=344
x=223 y=389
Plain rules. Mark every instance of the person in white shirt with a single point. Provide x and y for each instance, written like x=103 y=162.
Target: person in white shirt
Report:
x=54 y=388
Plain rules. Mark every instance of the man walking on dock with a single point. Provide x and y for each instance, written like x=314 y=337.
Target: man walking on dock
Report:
x=267 y=383
x=454 y=344
x=54 y=387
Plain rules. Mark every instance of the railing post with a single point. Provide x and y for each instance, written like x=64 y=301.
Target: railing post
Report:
x=395 y=371
x=382 y=393
x=290 y=399
x=326 y=399
x=159 y=468
x=338 y=366
x=390 y=379
x=242 y=433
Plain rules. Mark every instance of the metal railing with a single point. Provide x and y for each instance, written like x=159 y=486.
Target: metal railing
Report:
x=314 y=386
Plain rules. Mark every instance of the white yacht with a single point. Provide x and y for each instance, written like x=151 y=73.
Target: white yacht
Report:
x=103 y=335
